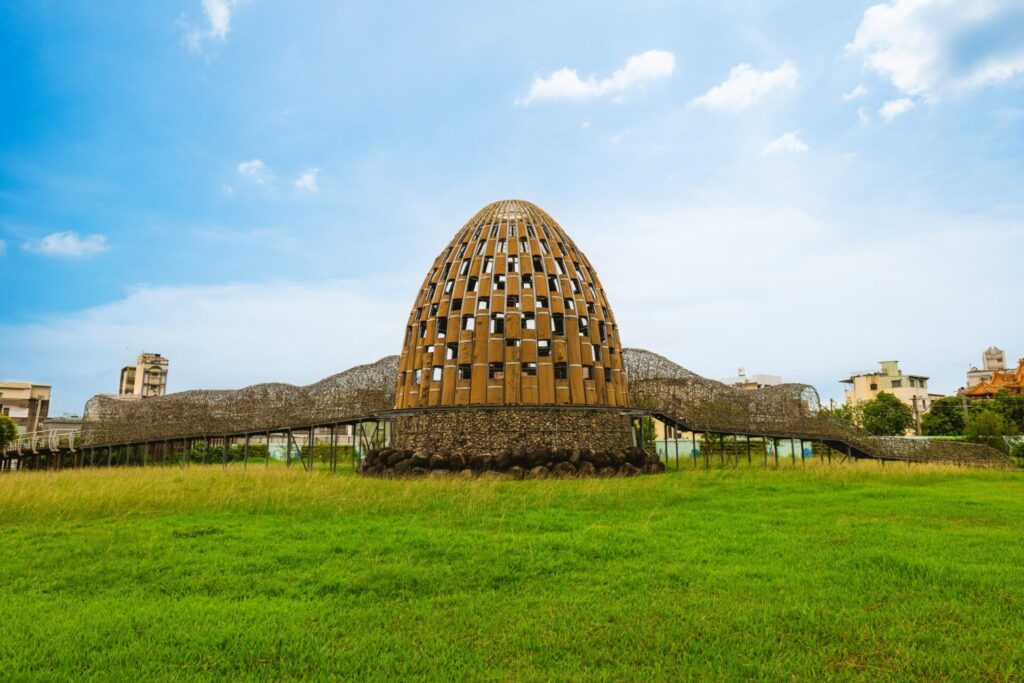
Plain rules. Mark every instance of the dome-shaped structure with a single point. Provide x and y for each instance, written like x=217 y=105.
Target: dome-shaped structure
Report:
x=511 y=313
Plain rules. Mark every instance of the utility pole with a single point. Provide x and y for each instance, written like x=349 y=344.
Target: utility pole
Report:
x=917 y=416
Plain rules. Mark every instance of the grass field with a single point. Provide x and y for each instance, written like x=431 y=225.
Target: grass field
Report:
x=808 y=573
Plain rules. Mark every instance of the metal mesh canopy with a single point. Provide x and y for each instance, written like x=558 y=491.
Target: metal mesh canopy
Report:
x=511 y=313
x=354 y=393
x=785 y=411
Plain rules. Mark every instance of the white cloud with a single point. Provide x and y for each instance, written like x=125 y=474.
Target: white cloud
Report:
x=217 y=337
x=860 y=91
x=746 y=85
x=566 y=84
x=69 y=245
x=765 y=242
x=894 y=108
x=218 y=23
x=862 y=115
x=788 y=143
x=307 y=180
x=930 y=48
x=254 y=170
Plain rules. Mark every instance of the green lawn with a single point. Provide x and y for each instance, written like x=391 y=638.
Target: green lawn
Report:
x=810 y=573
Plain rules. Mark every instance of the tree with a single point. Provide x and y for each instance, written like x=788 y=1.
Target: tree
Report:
x=8 y=431
x=944 y=418
x=885 y=415
x=990 y=428
x=842 y=414
x=1011 y=407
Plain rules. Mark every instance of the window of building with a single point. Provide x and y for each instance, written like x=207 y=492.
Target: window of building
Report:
x=607 y=374
x=471 y=284
x=560 y=266
x=538 y=264
x=468 y=322
x=546 y=231
x=897 y=384
x=543 y=347
x=449 y=286
x=429 y=350
x=479 y=248
x=488 y=264
x=494 y=230
x=464 y=268
x=512 y=301
x=529 y=321
x=579 y=273
x=462 y=251
x=511 y=229
x=584 y=326
x=417 y=375
x=570 y=305
x=465 y=371
x=561 y=248
x=433 y=309
x=512 y=343
x=501 y=245
x=588 y=372
x=444 y=271
x=530 y=231
x=499 y=282
x=600 y=330
x=524 y=246
x=430 y=292
x=874 y=387
x=451 y=351
x=552 y=283
x=544 y=246
x=408 y=335
x=561 y=371
x=423 y=329
x=557 y=324
x=496 y=370
x=597 y=352
x=476 y=234
x=435 y=373
x=483 y=304
x=497 y=323
x=527 y=282
x=575 y=285
x=530 y=369
x=542 y=302
x=513 y=264
x=592 y=292
x=442 y=327
x=456 y=304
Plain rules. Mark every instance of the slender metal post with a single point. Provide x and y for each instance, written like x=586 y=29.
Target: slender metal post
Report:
x=312 y=442
x=268 y=451
x=245 y=453
x=334 y=447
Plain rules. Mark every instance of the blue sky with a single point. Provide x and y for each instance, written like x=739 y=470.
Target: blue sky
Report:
x=256 y=189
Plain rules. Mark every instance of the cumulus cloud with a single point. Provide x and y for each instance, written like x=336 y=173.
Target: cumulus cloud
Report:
x=216 y=336
x=218 y=23
x=931 y=48
x=254 y=170
x=894 y=108
x=69 y=245
x=788 y=143
x=565 y=83
x=307 y=180
x=746 y=85
x=860 y=91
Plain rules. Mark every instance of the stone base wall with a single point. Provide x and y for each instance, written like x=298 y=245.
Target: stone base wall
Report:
x=520 y=443
x=491 y=431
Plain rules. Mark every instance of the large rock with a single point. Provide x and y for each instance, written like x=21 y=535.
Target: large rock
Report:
x=563 y=470
x=539 y=472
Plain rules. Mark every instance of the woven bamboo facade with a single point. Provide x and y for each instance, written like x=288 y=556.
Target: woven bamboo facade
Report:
x=511 y=313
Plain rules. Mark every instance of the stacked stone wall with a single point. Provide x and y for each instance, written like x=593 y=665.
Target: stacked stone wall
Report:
x=491 y=431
